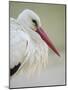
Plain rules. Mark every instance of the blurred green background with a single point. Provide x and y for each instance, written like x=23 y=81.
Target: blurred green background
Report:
x=52 y=18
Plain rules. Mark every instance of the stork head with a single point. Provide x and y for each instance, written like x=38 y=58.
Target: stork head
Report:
x=30 y=20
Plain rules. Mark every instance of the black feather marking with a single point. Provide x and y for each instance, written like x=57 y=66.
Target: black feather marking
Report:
x=14 y=69
x=35 y=22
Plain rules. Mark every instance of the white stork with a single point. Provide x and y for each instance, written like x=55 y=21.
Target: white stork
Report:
x=28 y=44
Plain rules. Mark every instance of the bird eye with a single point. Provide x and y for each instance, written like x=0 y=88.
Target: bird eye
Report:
x=35 y=22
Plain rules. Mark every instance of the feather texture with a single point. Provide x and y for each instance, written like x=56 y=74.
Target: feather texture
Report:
x=27 y=48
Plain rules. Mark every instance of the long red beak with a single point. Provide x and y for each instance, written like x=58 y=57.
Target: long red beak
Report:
x=47 y=40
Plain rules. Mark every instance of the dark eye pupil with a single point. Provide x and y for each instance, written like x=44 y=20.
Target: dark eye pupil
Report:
x=34 y=21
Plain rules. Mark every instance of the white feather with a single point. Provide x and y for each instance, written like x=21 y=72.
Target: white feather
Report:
x=27 y=47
